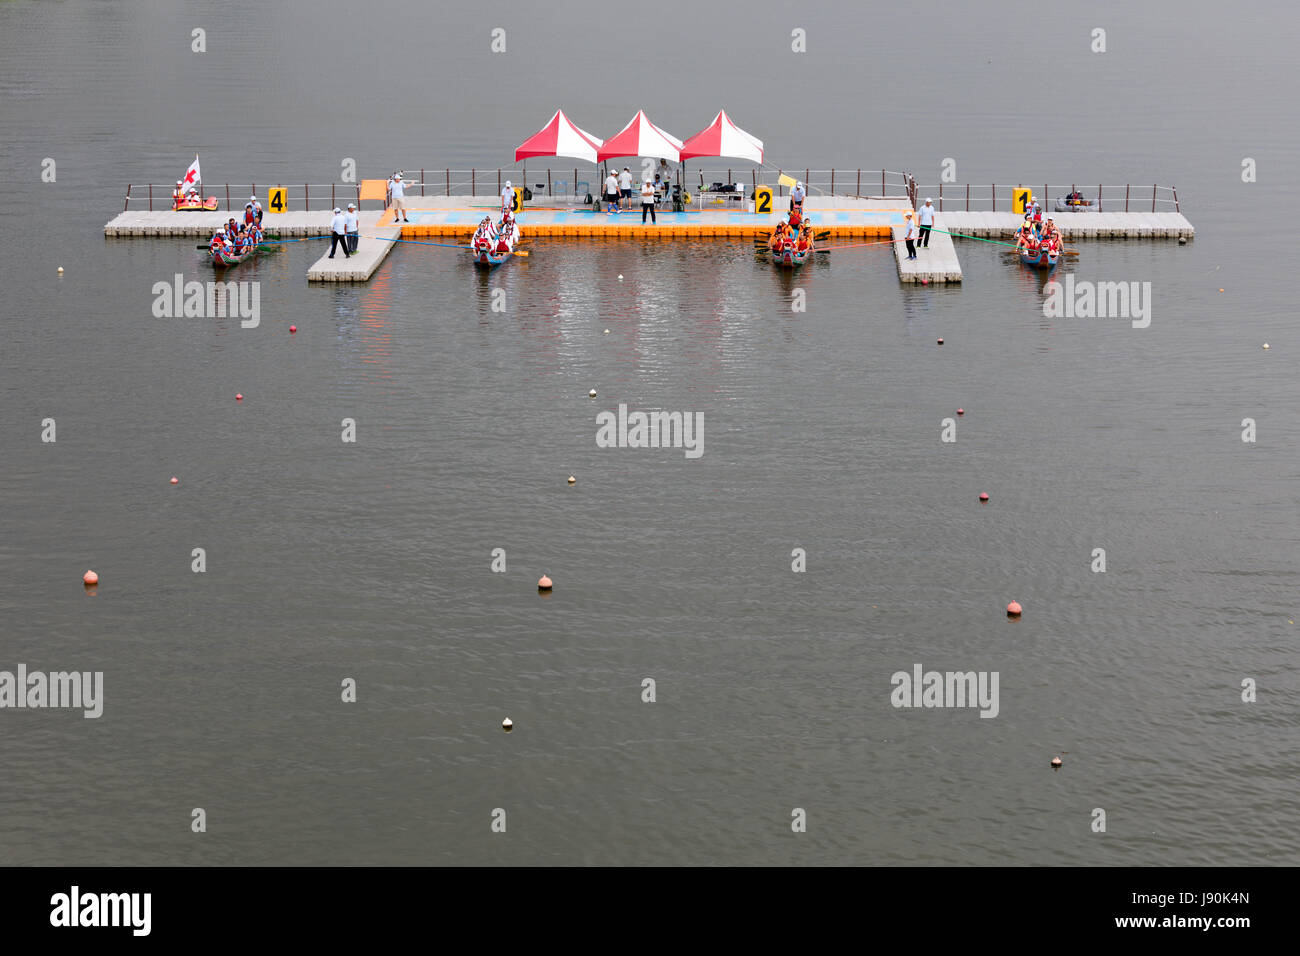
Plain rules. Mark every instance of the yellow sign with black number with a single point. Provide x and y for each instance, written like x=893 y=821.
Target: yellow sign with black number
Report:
x=518 y=204
x=763 y=200
x=275 y=200
x=1020 y=198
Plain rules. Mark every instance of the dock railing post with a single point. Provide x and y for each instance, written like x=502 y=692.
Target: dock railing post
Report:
x=882 y=184
x=227 y=197
x=832 y=180
x=941 y=195
x=1154 y=187
x=549 y=191
x=473 y=187
x=993 y=191
x=333 y=202
x=1177 y=208
x=498 y=180
x=306 y=198
x=859 y=192
x=151 y=198
x=1126 y=189
x=422 y=184
x=968 y=197
x=128 y=198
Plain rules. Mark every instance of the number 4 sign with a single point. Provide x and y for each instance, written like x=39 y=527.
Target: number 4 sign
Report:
x=275 y=201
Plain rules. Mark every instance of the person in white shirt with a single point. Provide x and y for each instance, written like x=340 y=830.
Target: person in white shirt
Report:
x=926 y=218
x=648 y=201
x=507 y=198
x=339 y=233
x=399 y=197
x=797 y=197
x=665 y=174
x=625 y=186
x=353 y=226
x=257 y=208
x=910 y=236
x=611 y=193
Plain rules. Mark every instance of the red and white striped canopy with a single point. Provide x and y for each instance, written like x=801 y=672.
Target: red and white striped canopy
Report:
x=559 y=137
x=722 y=137
x=642 y=138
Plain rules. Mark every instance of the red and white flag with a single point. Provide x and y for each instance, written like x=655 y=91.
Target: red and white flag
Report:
x=192 y=176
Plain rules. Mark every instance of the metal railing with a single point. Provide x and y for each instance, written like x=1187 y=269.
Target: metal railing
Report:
x=298 y=198
x=970 y=197
x=573 y=184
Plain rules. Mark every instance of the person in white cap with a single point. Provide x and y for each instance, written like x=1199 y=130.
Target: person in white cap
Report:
x=507 y=198
x=339 y=234
x=257 y=208
x=178 y=194
x=353 y=229
x=625 y=188
x=796 y=197
x=909 y=236
x=399 y=197
x=926 y=219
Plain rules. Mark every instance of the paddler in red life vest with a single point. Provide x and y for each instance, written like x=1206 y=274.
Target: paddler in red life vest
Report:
x=777 y=235
x=1025 y=238
x=795 y=218
x=1052 y=235
x=250 y=217
x=178 y=194
x=218 y=240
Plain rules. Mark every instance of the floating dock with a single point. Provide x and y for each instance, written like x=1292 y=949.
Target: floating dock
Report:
x=842 y=216
x=936 y=262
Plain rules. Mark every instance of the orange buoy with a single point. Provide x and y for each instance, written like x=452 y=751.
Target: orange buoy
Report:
x=90 y=578
x=175 y=480
x=543 y=583
x=1013 y=609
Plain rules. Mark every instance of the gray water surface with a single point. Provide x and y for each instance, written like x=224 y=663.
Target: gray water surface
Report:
x=822 y=431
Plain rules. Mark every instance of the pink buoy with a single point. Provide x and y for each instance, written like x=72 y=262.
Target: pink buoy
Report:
x=90 y=578
x=239 y=396
x=175 y=480
x=293 y=329
x=1013 y=609
x=544 y=583
x=984 y=496
x=941 y=341
x=961 y=411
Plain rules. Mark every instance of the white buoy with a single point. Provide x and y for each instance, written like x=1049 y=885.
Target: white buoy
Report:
x=61 y=271
x=620 y=277
x=1266 y=346
x=572 y=480
x=507 y=724
x=592 y=393
x=607 y=331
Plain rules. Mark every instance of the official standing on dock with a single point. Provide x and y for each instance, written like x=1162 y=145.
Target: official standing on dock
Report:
x=910 y=237
x=507 y=199
x=797 y=197
x=399 y=201
x=611 y=192
x=927 y=223
x=353 y=227
x=648 y=201
x=625 y=187
x=339 y=233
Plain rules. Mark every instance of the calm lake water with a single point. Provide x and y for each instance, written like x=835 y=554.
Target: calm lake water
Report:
x=372 y=560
